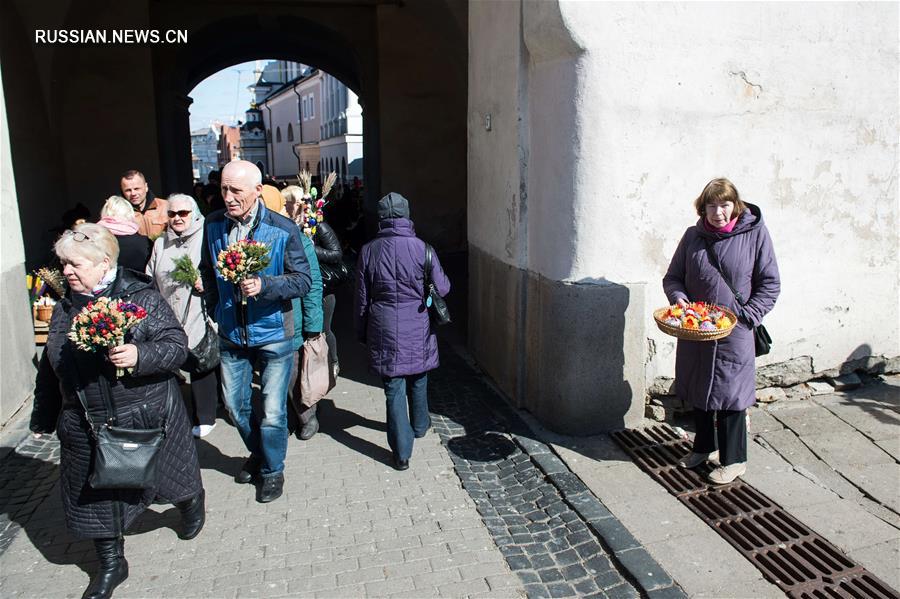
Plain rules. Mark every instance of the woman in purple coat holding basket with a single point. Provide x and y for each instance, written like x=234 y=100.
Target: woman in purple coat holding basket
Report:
x=729 y=242
x=392 y=320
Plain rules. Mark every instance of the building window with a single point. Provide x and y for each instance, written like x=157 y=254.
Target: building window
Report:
x=312 y=104
x=290 y=132
x=278 y=134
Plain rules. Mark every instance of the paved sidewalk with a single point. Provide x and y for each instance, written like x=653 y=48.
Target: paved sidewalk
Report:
x=483 y=511
x=830 y=460
x=348 y=524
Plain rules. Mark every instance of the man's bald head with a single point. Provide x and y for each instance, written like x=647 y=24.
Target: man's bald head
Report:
x=242 y=169
x=241 y=186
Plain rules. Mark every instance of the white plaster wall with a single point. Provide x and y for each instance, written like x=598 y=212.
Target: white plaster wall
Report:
x=496 y=158
x=795 y=103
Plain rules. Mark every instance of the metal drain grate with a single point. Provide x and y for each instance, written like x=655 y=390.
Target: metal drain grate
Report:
x=788 y=553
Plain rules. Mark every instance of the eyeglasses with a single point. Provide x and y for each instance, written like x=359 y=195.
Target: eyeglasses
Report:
x=181 y=213
x=76 y=235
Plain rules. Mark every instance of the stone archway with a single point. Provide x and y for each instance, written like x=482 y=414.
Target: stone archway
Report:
x=209 y=51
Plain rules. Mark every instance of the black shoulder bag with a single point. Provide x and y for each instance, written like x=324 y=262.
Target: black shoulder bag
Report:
x=433 y=300
x=761 y=336
x=205 y=356
x=124 y=458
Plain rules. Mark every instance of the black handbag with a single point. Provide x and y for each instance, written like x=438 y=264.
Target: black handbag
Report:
x=333 y=276
x=437 y=307
x=205 y=355
x=124 y=458
x=761 y=338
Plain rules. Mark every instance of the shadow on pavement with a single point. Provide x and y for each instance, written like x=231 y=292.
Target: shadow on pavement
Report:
x=211 y=458
x=33 y=486
x=335 y=421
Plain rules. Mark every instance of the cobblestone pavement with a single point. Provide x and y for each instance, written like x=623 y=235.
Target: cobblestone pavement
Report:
x=475 y=515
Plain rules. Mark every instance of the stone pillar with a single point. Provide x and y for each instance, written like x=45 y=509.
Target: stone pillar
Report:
x=17 y=350
x=558 y=334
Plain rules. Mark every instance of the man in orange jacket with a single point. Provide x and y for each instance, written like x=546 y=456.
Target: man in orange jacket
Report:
x=149 y=212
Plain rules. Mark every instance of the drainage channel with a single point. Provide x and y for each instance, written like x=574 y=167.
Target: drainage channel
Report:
x=790 y=555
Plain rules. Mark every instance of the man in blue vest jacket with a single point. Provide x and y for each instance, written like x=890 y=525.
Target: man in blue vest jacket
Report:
x=261 y=331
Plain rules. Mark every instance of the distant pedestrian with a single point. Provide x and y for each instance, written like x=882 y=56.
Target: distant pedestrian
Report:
x=184 y=237
x=260 y=331
x=392 y=320
x=212 y=191
x=134 y=248
x=308 y=322
x=331 y=266
x=719 y=377
x=143 y=399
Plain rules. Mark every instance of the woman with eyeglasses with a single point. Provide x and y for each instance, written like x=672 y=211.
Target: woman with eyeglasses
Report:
x=117 y=215
x=143 y=398
x=184 y=237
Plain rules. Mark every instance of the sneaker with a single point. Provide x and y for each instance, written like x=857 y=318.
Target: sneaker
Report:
x=204 y=429
x=692 y=460
x=271 y=488
x=726 y=474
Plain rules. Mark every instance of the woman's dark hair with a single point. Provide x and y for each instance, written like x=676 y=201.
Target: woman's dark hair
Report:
x=719 y=190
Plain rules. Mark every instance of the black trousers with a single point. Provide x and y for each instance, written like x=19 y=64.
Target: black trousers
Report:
x=201 y=407
x=328 y=303
x=725 y=430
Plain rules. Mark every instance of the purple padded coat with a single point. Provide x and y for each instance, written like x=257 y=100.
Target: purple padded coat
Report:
x=721 y=375
x=390 y=315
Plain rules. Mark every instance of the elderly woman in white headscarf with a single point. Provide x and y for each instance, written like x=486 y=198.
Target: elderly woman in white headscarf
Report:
x=184 y=237
x=117 y=216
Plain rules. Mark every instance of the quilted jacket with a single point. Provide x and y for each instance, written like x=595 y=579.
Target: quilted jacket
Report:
x=391 y=317
x=139 y=400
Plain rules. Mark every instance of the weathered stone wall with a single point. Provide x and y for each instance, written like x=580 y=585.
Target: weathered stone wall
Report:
x=628 y=109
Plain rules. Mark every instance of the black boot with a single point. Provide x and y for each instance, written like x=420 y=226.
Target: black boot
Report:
x=113 y=568
x=193 y=516
x=309 y=429
x=249 y=471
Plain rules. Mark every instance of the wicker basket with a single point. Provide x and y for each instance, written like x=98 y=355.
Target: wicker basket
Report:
x=44 y=313
x=693 y=334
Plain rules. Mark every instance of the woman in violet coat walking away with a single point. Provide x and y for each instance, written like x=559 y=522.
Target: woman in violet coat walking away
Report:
x=391 y=318
x=719 y=377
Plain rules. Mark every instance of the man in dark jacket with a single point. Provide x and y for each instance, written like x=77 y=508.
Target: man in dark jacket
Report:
x=259 y=332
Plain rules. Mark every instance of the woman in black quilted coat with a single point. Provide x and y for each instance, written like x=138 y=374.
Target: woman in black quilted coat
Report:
x=154 y=350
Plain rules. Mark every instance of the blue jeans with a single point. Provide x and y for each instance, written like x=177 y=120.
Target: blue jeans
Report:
x=400 y=430
x=266 y=436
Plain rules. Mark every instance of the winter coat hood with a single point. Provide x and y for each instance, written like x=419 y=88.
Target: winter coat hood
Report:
x=749 y=220
x=393 y=205
x=195 y=227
